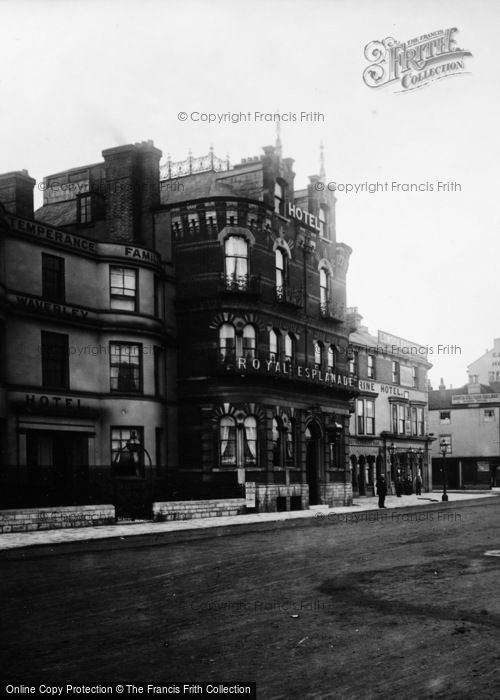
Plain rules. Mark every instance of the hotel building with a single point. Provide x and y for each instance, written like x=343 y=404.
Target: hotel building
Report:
x=389 y=426
x=87 y=335
x=263 y=390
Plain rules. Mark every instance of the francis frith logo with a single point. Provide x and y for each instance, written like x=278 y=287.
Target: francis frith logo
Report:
x=414 y=63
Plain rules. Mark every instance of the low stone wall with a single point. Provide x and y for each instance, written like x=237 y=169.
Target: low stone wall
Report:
x=267 y=495
x=336 y=494
x=30 y=519
x=186 y=510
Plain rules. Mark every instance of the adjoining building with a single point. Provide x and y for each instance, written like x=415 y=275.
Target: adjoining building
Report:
x=465 y=422
x=388 y=432
x=86 y=335
x=263 y=389
x=486 y=369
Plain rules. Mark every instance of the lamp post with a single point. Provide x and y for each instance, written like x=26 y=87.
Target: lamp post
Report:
x=420 y=466
x=134 y=446
x=392 y=449
x=444 y=450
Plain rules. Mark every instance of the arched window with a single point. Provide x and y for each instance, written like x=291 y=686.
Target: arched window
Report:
x=238 y=442
x=236 y=260
x=250 y=441
x=283 y=443
x=318 y=354
x=227 y=342
x=323 y=287
x=249 y=342
x=331 y=358
x=276 y=443
x=279 y=201
x=281 y=269
x=290 y=444
x=273 y=344
x=289 y=347
x=227 y=442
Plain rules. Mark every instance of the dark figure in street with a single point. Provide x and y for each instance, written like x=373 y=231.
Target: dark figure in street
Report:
x=418 y=485
x=381 y=491
x=399 y=485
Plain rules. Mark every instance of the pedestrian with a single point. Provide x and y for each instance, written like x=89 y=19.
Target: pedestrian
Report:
x=418 y=485
x=399 y=485
x=381 y=491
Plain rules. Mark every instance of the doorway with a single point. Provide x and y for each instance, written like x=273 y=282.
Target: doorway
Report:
x=313 y=443
x=57 y=466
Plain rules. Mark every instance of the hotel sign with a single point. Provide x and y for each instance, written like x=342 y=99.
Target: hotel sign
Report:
x=388 y=389
x=303 y=216
x=53 y=402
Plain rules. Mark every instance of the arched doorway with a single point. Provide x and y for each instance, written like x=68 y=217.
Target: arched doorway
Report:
x=313 y=442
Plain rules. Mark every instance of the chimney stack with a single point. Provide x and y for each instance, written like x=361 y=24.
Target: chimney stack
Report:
x=16 y=193
x=132 y=191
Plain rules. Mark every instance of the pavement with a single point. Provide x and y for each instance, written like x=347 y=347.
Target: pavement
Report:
x=196 y=527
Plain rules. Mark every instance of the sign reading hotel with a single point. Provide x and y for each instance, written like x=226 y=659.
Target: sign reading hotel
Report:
x=414 y=63
x=375 y=388
x=303 y=216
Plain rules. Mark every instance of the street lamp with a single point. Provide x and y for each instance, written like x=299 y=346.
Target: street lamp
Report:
x=444 y=450
x=392 y=449
x=134 y=446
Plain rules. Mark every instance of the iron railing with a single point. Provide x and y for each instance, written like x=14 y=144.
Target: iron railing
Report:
x=240 y=284
x=294 y=296
x=332 y=311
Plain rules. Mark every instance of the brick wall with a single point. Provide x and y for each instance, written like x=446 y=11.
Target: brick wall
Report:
x=31 y=519
x=186 y=510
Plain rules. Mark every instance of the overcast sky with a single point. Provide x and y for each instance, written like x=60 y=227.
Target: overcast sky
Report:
x=79 y=76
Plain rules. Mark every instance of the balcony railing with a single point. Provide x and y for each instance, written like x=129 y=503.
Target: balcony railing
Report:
x=332 y=311
x=239 y=284
x=293 y=296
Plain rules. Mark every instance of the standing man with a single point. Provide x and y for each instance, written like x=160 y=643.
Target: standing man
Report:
x=381 y=491
x=418 y=484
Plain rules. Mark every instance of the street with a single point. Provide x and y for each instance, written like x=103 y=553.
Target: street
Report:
x=360 y=605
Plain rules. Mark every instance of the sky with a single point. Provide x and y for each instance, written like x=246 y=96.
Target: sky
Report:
x=80 y=76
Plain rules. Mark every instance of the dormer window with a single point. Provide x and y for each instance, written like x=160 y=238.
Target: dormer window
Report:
x=84 y=209
x=279 y=199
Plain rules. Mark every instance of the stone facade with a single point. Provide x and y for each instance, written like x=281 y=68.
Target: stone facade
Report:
x=32 y=519
x=186 y=510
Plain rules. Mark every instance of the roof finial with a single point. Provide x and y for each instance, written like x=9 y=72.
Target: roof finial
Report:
x=322 y=172
x=278 y=135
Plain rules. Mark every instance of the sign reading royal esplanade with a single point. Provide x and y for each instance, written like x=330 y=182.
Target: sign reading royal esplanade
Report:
x=292 y=371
